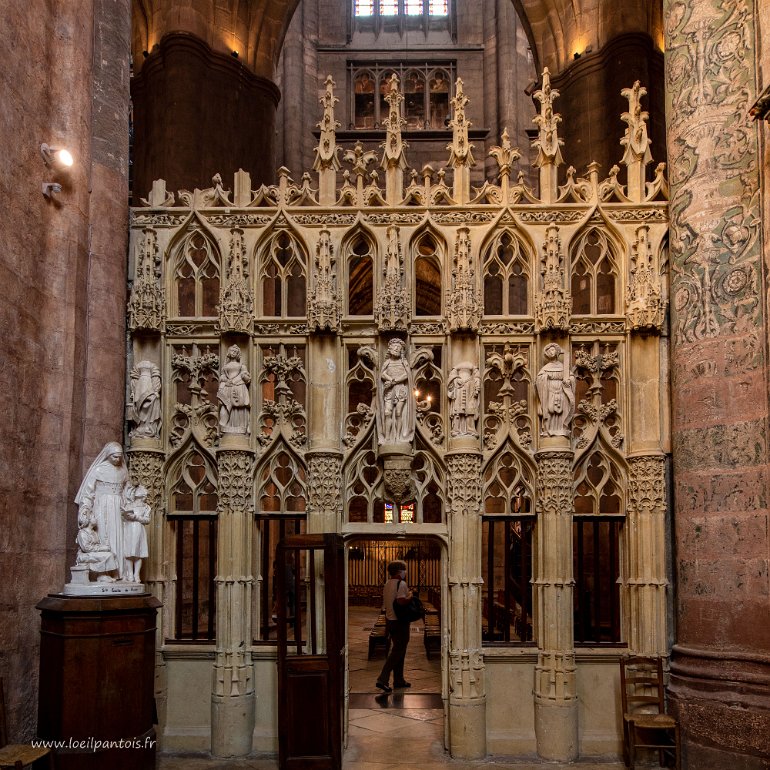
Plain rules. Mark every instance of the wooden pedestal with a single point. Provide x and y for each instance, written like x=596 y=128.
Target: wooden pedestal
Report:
x=97 y=658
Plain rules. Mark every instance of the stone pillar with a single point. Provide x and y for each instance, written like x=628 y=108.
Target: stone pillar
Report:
x=232 y=697
x=146 y=466
x=467 y=694
x=556 y=704
x=720 y=667
x=198 y=112
x=645 y=583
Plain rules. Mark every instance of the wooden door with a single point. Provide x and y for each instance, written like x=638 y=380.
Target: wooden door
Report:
x=311 y=593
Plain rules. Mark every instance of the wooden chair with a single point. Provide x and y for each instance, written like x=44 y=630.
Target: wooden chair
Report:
x=17 y=755
x=645 y=722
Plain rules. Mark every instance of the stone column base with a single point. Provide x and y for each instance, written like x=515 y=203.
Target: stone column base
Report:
x=556 y=730
x=468 y=729
x=232 y=725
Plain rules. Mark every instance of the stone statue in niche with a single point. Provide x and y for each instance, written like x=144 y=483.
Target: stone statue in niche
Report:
x=144 y=410
x=233 y=394
x=463 y=388
x=556 y=393
x=395 y=397
x=136 y=515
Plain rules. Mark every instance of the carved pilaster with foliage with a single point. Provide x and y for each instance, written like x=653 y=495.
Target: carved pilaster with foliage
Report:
x=464 y=306
x=553 y=302
x=645 y=306
x=323 y=304
x=464 y=505
x=646 y=584
x=147 y=305
x=391 y=308
x=233 y=669
x=236 y=299
x=555 y=673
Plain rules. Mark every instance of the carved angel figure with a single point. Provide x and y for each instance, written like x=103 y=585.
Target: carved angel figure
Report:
x=233 y=394
x=463 y=389
x=556 y=394
x=144 y=409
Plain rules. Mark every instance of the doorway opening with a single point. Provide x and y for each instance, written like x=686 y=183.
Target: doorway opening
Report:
x=372 y=715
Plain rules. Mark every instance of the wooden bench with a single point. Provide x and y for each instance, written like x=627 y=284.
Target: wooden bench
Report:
x=378 y=636
x=432 y=633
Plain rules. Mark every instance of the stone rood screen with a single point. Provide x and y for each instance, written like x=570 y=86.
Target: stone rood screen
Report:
x=288 y=300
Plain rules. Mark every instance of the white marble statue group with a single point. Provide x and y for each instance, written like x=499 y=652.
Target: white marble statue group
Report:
x=112 y=515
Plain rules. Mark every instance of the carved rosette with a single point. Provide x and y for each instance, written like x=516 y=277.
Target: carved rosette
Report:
x=553 y=305
x=324 y=473
x=323 y=305
x=645 y=307
x=236 y=299
x=464 y=306
x=235 y=481
x=147 y=305
x=391 y=310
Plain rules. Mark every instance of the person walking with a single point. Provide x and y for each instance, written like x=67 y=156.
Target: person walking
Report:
x=395 y=590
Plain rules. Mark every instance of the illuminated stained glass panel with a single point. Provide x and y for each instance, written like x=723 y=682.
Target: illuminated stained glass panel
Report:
x=407 y=513
x=388 y=513
x=438 y=7
x=388 y=7
x=364 y=7
x=402 y=514
x=413 y=7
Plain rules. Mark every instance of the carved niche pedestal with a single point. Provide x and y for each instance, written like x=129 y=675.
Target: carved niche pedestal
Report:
x=97 y=658
x=397 y=470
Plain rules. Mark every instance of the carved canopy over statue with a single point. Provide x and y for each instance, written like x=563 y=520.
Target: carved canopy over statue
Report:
x=556 y=394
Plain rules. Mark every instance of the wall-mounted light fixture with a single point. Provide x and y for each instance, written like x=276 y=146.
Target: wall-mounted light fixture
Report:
x=234 y=54
x=56 y=157
x=59 y=160
x=49 y=189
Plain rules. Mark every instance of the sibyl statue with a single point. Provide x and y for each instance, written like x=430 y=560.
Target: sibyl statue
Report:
x=556 y=394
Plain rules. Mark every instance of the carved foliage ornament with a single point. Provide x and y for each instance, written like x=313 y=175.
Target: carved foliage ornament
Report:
x=324 y=483
x=391 y=310
x=553 y=304
x=236 y=482
x=236 y=299
x=645 y=307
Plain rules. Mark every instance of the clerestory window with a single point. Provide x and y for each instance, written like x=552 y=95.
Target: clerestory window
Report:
x=372 y=8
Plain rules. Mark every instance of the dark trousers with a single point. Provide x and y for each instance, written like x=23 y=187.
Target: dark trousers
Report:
x=398 y=630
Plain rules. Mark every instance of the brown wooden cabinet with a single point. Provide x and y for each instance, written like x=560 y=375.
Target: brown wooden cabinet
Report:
x=97 y=658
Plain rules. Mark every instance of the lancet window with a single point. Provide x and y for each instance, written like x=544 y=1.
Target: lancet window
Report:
x=594 y=275
x=283 y=277
x=597 y=532
x=506 y=277
x=360 y=277
x=196 y=276
x=427 y=276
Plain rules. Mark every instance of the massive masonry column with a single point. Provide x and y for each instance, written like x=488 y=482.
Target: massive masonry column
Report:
x=720 y=669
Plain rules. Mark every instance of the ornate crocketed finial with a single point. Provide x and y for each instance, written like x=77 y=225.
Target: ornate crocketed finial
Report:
x=460 y=150
x=394 y=156
x=636 y=141
x=548 y=144
x=326 y=161
x=505 y=155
